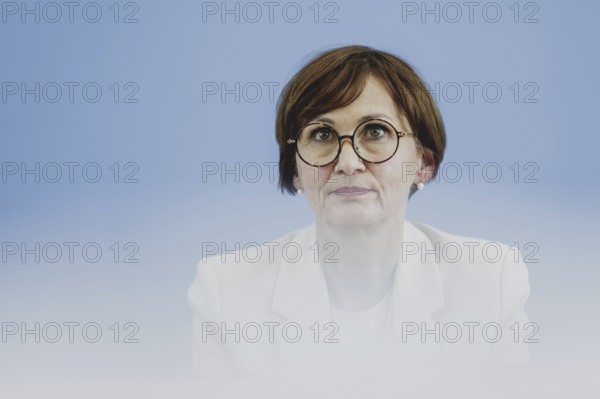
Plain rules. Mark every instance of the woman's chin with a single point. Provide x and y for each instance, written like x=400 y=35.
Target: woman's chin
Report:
x=351 y=219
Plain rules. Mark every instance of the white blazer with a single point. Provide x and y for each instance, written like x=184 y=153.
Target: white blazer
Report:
x=242 y=303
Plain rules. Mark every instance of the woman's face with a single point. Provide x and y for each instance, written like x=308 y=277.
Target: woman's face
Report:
x=351 y=192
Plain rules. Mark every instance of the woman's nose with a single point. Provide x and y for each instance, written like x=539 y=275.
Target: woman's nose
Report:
x=348 y=161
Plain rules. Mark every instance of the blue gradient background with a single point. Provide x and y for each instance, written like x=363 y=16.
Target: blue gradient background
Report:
x=171 y=132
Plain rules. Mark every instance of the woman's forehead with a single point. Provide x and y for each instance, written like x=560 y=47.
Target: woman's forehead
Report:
x=374 y=102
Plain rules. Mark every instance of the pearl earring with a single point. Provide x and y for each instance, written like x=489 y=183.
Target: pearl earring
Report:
x=299 y=191
x=420 y=185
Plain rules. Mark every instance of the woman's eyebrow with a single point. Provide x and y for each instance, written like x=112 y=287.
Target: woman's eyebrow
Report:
x=360 y=120
x=373 y=116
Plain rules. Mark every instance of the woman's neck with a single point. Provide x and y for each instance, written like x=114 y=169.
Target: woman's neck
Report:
x=359 y=269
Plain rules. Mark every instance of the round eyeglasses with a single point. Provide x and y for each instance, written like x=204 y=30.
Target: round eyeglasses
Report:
x=373 y=141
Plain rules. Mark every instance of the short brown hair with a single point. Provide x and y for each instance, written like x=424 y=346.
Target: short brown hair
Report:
x=334 y=79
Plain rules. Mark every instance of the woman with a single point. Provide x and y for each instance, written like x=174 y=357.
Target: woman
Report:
x=358 y=134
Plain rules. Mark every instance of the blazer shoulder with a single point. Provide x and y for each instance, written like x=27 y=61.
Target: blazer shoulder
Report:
x=238 y=278
x=247 y=264
x=436 y=235
x=458 y=249
x=482 y=268
x=257 y=254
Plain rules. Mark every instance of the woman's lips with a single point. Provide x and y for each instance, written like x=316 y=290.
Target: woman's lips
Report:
x=351 y=190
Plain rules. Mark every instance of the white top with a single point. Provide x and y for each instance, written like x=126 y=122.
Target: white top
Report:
x=362 y=334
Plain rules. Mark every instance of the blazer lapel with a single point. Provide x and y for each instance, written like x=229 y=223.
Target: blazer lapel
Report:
x=301 y=291
x=301 y=297
x=417 y=296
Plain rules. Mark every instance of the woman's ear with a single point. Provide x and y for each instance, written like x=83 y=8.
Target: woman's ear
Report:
x=296 y=182
x=427 y=170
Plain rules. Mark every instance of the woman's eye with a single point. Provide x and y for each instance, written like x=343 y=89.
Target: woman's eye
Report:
x=376 y=132
x=322 y=134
